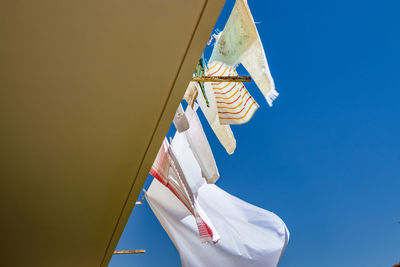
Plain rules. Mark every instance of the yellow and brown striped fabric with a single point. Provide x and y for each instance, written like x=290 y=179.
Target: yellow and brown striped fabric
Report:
x=234 y=102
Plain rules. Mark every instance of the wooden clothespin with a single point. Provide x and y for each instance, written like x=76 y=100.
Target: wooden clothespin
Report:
x=138 y=251
x=216 y=79
x=221 y=79
x=140 y=202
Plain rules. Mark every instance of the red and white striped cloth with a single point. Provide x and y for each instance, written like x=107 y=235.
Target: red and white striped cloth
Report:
x=166 y=169
x=234 y=102
x=250 y=236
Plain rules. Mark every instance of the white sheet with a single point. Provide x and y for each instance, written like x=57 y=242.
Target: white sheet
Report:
x=250 y=236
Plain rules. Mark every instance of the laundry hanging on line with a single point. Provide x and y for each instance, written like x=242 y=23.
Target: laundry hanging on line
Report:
x=187 y=161
x=239 y=42
x=200 y=147
x=183 y=202
x=188 y=123
x=223 y=132
x=191 y=94
x=180 y=121
x=250 y=236
x=167 y=170
x=226 y=103
x=234 y=102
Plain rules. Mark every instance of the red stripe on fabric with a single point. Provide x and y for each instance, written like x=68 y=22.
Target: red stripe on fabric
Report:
x=221 y=88
x=216 y=83
x=222 y=118
x=178 y=196
x=227 y=112
x=209 y=231
x=222 y=74
x=215 y=64
x=156 y=175
x=205 y=231
x=215 y=71
x=224 y=93
x=222 y=102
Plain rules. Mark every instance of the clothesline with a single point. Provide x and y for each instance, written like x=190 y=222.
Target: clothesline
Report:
x=208 y=226
x=138 y=251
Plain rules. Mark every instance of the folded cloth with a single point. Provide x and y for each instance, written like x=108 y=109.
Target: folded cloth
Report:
x=223 y=132
x=168 y=172
x=239 y=42
x=234 y=102
x=180 y=121
x=250 y=236
x=200 y=147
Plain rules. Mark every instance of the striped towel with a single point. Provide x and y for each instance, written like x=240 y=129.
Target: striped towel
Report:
x=166 y=169
x=234 y=102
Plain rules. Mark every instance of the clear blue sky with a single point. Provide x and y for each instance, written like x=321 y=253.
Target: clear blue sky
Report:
x=326 y=157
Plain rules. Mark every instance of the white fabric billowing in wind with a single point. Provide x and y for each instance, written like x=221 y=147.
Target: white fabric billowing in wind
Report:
x=239 y=42
x=250 y=236
x=193 y=176
x=200 y=147
x=167 y=170
x=223 y=132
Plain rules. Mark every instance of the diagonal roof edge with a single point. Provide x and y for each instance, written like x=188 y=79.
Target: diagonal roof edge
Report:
x=205 y=23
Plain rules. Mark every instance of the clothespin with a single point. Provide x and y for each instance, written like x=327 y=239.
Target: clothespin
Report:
x=138 y=251
x=141 y=200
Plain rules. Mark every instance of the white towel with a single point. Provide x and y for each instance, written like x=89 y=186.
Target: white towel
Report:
x=200 y=147
x=250 y=236
x=223 y=132
x=239 y=42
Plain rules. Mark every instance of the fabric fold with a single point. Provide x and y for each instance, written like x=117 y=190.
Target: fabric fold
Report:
x=223 y=132
x=187 y=161
x=167 y=170
x=250 y=236
x=200 y=147
x=239 y=42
